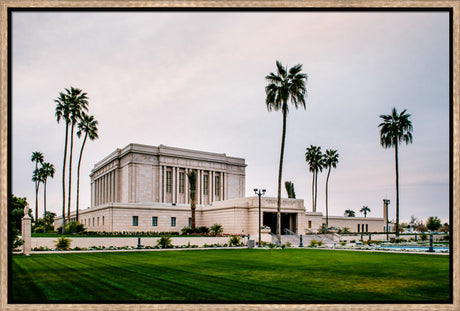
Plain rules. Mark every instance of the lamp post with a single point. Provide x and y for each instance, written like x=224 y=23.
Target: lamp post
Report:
x=259 y=193
x=386 y=202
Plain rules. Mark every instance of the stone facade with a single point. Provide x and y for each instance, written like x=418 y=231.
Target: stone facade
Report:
x=140 y=174
x=145 y=188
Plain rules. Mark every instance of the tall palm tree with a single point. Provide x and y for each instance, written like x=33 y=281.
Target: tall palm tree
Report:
x=314 y=159
x=191 y=175
x=365 y=210
x=47 y=170
x=394 y=129
x=283 y=86
x=37 y=157
x=78 y=103
x=63 y=113
x=330 y=160
x=87 y=125
x=37 y=179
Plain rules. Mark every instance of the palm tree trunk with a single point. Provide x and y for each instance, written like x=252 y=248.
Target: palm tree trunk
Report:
x=193 y=216
x=397 y=190
x=70 y=173
x=313 y=193
x=327 y=211
x=44 y=204
x=63 y=175
x=36 y=201
x=280 y=174
x=78 y=176
x=316 y=187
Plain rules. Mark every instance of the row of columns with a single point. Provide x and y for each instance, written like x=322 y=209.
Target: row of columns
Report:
x=105 y=189
x=175 y=171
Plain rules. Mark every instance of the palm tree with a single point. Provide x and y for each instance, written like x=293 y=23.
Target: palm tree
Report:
x=63 y=112
x=37 y=157
x=78 y=103
x=314 y=158
x=394 y=129
x=365 y=210
x=37 y=179
x=349 y=213
x=289 y=185
x=47 y=170
x=191 y=175
x=330 y=159
x=87 y=125
x=283 y=86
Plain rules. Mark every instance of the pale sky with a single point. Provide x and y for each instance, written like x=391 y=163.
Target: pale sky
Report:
x=196 y=80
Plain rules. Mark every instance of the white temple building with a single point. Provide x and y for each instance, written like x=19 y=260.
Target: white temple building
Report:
x=145 y=188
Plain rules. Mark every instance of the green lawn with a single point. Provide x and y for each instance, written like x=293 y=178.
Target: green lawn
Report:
x=239 y=275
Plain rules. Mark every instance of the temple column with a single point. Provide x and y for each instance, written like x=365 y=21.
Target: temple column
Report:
x=116 y=188
x=163 y=191
x=173 y=185
x=211 y=182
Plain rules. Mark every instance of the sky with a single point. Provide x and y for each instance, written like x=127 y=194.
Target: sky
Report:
x=196 y=80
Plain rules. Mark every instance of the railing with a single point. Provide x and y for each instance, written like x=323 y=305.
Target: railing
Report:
x=275 y=238
x=289 y=232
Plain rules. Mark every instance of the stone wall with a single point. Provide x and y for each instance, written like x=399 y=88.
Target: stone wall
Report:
x=86 y=242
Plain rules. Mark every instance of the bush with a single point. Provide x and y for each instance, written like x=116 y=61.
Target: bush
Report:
x=164 y=242
x=186 y=230
x=39 y=229
x=74 y=227
x=202 y=230
x=216 y=229
x=314 y=243
x=235 y=241
x=63 y=243
x=423 y=237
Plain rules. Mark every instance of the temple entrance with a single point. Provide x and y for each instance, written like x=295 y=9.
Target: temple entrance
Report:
x=288 y=221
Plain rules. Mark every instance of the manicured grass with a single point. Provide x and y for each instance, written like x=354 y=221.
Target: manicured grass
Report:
x=239 y=275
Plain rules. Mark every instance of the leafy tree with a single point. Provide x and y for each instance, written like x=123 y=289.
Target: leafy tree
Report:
x=349 y=213
x=330 y=160
x=191 y=175
x=365 y=210
x=314 y=159
x=395 y=128
x=290 y=189
x=47 y=170
x=87 y=125
x=17 y=213
x=283 y=86
x=433 y=223
x=36 y=157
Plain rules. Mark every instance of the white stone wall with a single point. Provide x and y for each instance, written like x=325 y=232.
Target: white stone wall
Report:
x=373 y=224
x=86 y=242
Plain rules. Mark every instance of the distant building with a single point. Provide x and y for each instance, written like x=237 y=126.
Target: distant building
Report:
x=145 y=188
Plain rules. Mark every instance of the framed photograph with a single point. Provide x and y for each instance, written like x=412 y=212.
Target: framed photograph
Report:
x=230 y=155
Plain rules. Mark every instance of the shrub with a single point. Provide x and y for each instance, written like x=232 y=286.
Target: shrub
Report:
x=164 y=242
x=39 y=229
x=314 y=243
x=186 y=230
x=216 y=229
x=202 y=230
x=288 y=244
x=235 y=241
x=63 y=243
x=423 y=237
x=74 y=227
x=343 y=243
